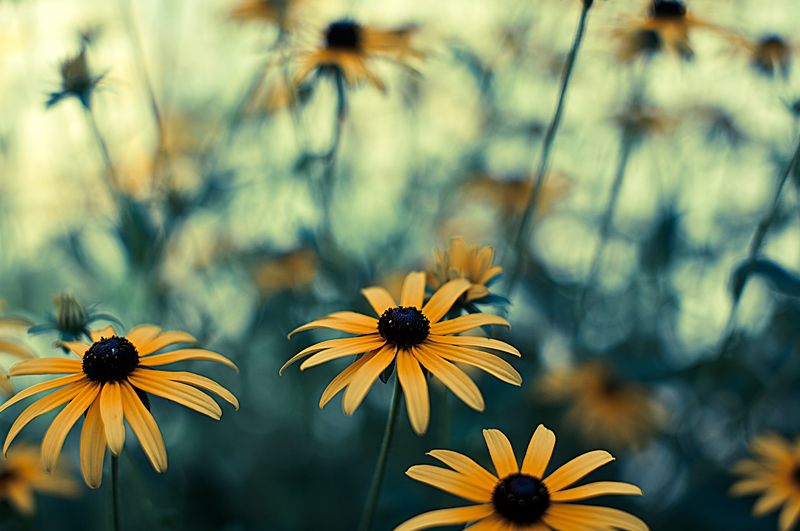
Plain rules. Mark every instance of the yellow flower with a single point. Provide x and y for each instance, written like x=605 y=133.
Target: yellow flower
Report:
x=604 y=408
x=108 y=385
x=470 y=263
x=349 y=46
x=21 y=475
x=412 y=336
x=282 y=13
x=522 y=499
x=776 y=474
x=666 y=26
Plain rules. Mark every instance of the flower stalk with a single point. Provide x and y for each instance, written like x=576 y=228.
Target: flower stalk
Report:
x=115 y=493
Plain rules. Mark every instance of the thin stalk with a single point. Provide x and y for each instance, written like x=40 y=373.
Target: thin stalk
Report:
x=755 y=248
x=523 y=232
x=607 y=219
x=383 y=456
x=111 y=174
x=115 y=493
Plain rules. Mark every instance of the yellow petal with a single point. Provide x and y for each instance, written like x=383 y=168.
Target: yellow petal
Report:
x=347 y=342
x=450 y=481
x=20 y=495
x=502 y=453
x=574 y=470
x=145 y=428
x=155 y=360
x=769 y=501
x=54 y=438
x=415 y=389
x=413 y=291
x=41 y=387
x=152 y=382
x=46 y=366
x=748 y=487
x=202 y=382
x=15 y=349
x=539 y=451
x=78 y=347
x=472 y=341
x=789 y=514
x=441 y=301
x=360 y=347
x=93 y=446
x=379 y=299
x=483 y=360
x=451 y=376
x=142 y=334
x=363 y=379
x=466 y=322
x=105 y=333
x=466 y=466
x=162 y=340
x=591 y=517
x=442 y=517
x=350 y=322
x=344 y=378
x=600 y=488
x=112 y=415
x=495 y=522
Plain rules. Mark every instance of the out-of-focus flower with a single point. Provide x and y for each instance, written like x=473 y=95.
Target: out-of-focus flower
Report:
x=511 y=195
x=110 y=383
x=348 y=47
x=603 y=408
x=470 y=263
x=22 y=475
x=665 y=27
x=17 y=350
x=719 y=123
x=412 y=336
x=275 y=91
x=76 y=80
x=775 y=474
x=283 y=13
x=639 y=120
x=522 y=499
x=770 y=55
x=72 y=318
x=291 y=271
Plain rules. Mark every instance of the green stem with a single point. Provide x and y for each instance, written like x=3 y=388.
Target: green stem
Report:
x=383 y=456
x=110 y=173
x=115 y=492
x=522 y=236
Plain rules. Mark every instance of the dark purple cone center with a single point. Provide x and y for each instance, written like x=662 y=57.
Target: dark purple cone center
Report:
x=404 y=326
x=343 y=34
x=796 y=475
x=667 y=9
x=521 y=499
x=110 y=359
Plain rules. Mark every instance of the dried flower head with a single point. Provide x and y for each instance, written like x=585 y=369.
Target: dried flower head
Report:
x=76 y=80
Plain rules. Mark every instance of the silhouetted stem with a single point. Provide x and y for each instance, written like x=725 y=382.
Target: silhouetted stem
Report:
x=115 y=493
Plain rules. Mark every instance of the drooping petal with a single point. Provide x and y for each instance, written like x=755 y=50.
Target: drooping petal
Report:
x=413 y=291
x=6 y=387
x=41 y=387
x=151 y=382
x=592 y=517
x=539 y=451
x=15 y=349
x=451 y=376
x=142 y=334
x=112 y=415
x=350 y=322
x=54 y=438
x=46 y=366
x=769 y=501
x=42 y=406
x=415 y=389
x=93 y=446
x=363 y=379
x=474 y=341
x=574 y=470
x=20 y=494
x=379 y=299
x=360 y=347
x=353 y=344
x=154 y=360
x=600 y=488
x=748 y=487
x=162 y=340
x=344 y=378
x=202 y=382
x=490 y=363
x=442 y=517
x=145 y=428
x=502 y=453
x=466 y=322
x=450 y=481
x=78 y=347
x=105 y=333
x=466 y=466
x=789 y=514
x=441 y=301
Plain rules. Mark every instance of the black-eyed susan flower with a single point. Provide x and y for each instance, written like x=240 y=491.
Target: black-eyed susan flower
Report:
x=76 y=80
x=603 y=407
x=775 y=474
x=108 y=385
x=517 y=499
x=21 y=476
x=348 y=47
x=470 y=263
x=282 y=13
x=665 y=27
x=72 y=318
x=413 y=336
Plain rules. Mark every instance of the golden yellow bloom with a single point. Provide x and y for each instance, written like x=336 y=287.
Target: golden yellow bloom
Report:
x=603 y=408
x=349 y=46
x=21 y=476
x=666 y=26
x=290 y=271
x=470 y=263
x=775 y=473
x=522 y=499
x=413 y=336
x=282 y=13
x=107 y=385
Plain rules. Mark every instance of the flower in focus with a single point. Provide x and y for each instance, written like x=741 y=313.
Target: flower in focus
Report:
x=603 y=408
x=291 y=271
x=470 y=263
x=412 y=336
x=518 y=499
x=21 y=476
x=348 y=48
x=7 y=346
x=775 y=474
x=666 y=26
x=72 y=318
x=108 y=384
x=76 y=80
x=282 y=13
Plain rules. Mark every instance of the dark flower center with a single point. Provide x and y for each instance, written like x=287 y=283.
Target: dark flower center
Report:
x=796 y=475
x=521 y=498
x=404 y=326
x=667 y=9
x=648 y=41
x=343 y=34
x=110 y=359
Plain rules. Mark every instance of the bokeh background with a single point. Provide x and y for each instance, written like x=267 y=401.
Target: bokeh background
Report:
x=225 y=225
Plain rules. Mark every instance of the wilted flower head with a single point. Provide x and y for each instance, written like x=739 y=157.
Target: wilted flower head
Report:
x=76 y=80
x=21 y=476
x=771 y=55
x=470 y=263
x=72 y=318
